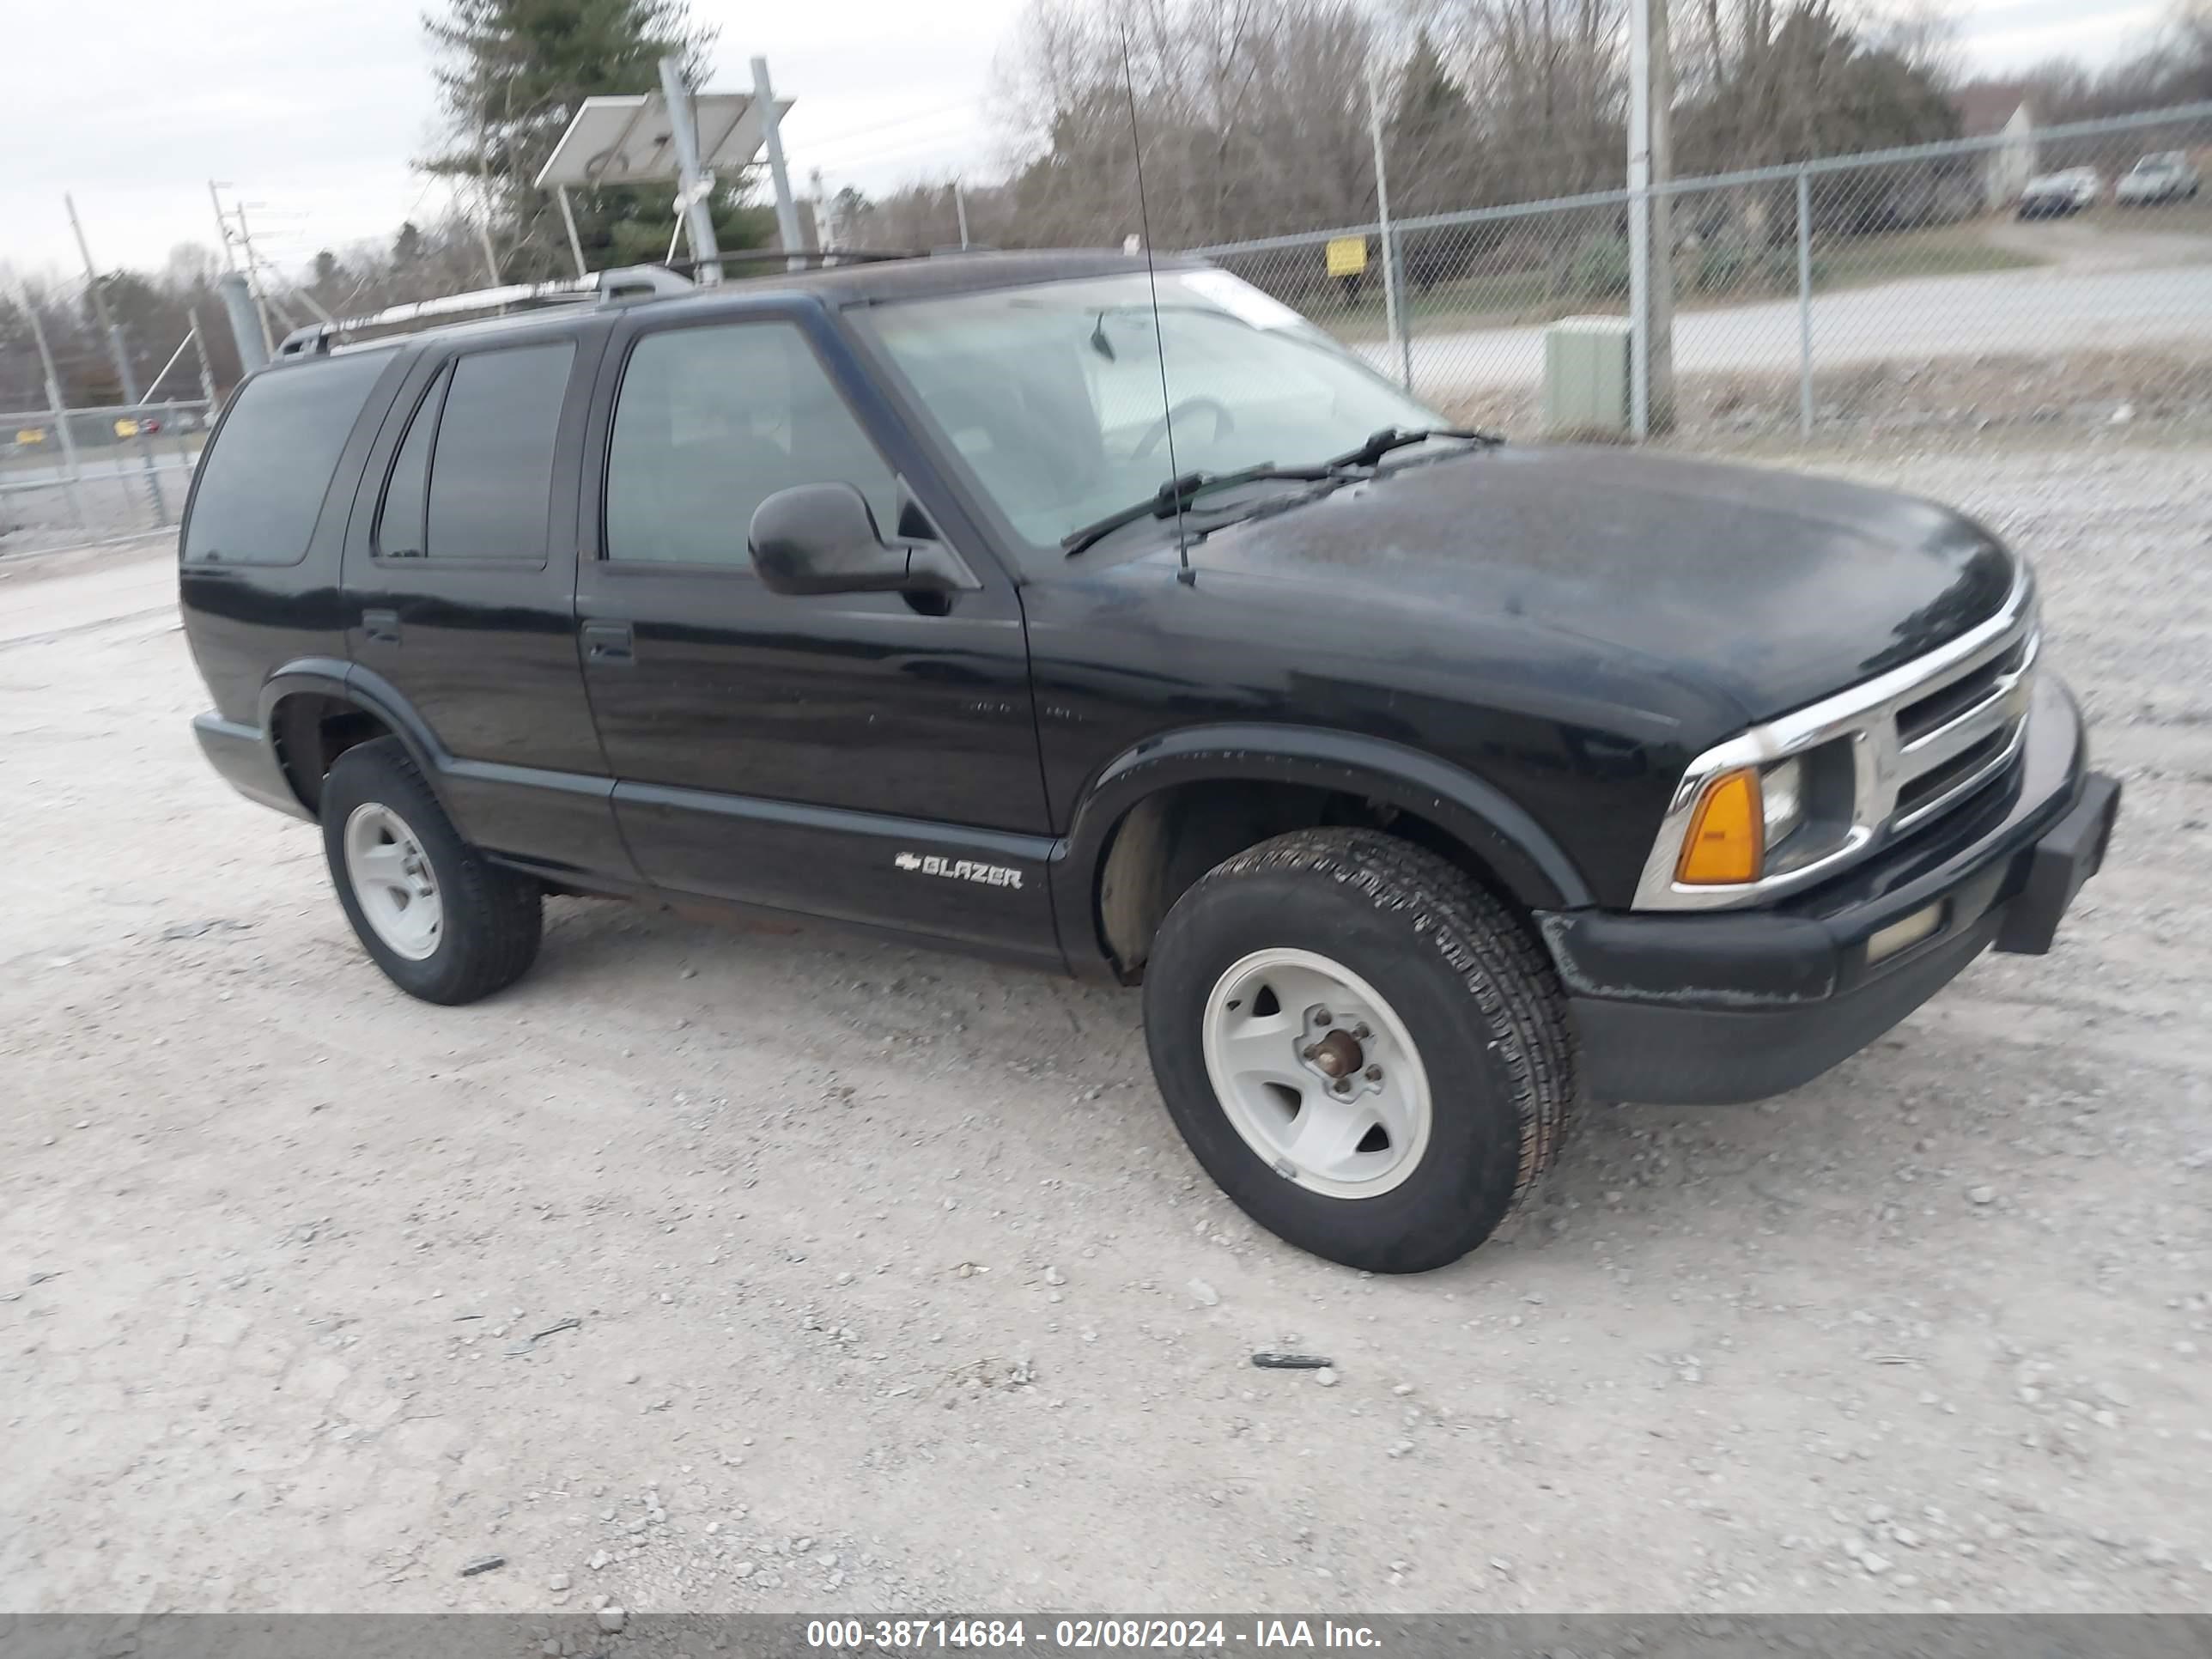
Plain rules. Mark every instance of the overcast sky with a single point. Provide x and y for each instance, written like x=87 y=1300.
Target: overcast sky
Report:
x=314 y=108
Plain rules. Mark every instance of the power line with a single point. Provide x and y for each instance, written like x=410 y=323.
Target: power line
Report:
x=899 y=121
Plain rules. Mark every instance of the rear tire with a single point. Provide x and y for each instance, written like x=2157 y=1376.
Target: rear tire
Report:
x=443 y=922
x=1261 y=984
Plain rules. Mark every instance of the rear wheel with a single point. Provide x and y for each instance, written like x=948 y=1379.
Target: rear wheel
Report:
x=1368 y=1052
x=443 y=922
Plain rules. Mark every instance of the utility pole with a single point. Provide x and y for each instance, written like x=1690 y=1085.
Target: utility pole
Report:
x=1650 y=247
x=960 y=206
x=116 y=353
x=222 y=226
x=59 y=408
x=252 y=275
x=786 y=210
x=247 y=326
x=254 y=282
x=126 y=381
x=693 y=186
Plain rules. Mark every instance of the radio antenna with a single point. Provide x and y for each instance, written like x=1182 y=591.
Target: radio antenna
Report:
x=1183 y=573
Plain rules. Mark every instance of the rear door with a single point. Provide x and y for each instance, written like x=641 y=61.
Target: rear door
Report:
x=867 y=756
x=461 y=590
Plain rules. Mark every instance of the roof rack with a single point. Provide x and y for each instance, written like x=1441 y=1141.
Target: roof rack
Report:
x=606 y=287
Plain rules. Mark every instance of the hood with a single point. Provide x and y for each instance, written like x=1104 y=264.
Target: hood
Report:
x=1771 y=588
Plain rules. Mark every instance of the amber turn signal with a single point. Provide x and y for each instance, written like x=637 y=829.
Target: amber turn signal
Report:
x=1725 y=844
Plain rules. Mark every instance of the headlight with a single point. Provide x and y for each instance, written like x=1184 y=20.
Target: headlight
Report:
x=1782 y=799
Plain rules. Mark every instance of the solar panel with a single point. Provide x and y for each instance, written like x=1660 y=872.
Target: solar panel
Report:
x=624 y=139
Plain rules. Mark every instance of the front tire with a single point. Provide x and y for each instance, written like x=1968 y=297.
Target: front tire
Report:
x=1369 y=1053
x=443 y=922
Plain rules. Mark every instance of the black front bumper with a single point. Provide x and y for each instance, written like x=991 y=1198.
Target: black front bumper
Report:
x=1680 y=1009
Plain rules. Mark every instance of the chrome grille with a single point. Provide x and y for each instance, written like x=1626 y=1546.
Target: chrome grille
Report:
x=1924 y=740
x=1979 y=718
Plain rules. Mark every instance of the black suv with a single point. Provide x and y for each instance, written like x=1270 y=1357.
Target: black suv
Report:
x=1426 y=783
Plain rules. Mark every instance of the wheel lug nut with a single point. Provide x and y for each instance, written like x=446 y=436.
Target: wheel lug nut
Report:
x=1322 y=1017
x=1360 y=1033
x=1342 y=1085
x=1309 y=1051
x=1374 y=1074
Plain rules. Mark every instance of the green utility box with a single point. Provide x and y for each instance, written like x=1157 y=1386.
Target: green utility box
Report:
x=1586 y=377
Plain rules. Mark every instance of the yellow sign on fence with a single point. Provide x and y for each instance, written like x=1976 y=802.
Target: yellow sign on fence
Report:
x=31 y=434
x=1347 y=255
x=126 y=428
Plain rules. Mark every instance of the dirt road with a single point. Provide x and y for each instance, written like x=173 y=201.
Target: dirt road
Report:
x=895 y=1289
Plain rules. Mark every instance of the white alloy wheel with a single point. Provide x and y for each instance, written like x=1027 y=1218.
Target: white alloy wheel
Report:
x=392 y=881
x=1317 y=1074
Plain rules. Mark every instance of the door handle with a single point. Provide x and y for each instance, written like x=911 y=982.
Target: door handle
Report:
x=380 y=627
x=609 y=644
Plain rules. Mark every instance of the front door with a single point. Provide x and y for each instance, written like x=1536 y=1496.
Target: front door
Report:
x=871 y=757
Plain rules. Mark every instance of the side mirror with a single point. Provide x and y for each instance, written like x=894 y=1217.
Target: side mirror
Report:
x=822 y=538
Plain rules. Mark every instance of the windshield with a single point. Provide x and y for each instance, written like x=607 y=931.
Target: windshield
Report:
x=1052 y=392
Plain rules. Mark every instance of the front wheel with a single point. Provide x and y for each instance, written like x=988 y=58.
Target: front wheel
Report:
x=1368 y=1052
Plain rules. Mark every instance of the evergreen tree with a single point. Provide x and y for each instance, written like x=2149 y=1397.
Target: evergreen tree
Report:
x=1431 y=147
x=510 y=76
x=1429 y=134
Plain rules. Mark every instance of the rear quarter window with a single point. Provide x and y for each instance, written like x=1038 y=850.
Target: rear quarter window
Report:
x=262 y=482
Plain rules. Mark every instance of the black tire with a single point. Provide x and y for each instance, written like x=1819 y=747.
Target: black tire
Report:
x=492 y=919
x=1473 y=987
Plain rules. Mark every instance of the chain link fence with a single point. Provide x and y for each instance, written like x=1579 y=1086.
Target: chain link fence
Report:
x=2031 y=276
x=70 y=476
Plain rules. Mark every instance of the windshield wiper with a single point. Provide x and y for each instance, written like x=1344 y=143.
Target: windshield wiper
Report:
x=1176 y=496
x=1380 y=444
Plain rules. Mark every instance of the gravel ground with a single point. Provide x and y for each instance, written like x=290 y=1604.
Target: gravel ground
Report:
x=896 y=1291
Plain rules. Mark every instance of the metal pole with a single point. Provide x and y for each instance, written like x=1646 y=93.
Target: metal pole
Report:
x=199 y=350
x=1392 y=316
x=484 y=225
x=568 y=223
x=960 y=206
x=59 y=410
x=121 y=357
x=1659 y=291
x=113 y=335
x=221 y=226
x=691 y=203
x=171 y=364
x=786 y=210
x=1639 y=218
x=256 y=287
x=246 y=325
x=1804 y=304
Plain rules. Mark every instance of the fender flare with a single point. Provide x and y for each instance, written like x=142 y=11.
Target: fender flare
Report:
x=371 y=693
x=1512 y=845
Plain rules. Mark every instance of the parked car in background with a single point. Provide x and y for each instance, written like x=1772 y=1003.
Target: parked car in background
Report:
x=2162 y=176
x=2053 y=194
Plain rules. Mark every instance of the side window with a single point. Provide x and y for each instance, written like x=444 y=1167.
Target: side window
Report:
x=710 y=423
x=261 y=485
x=491 y=465
x=399 y=521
